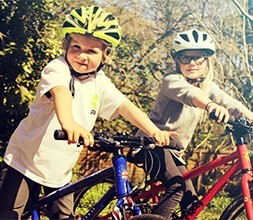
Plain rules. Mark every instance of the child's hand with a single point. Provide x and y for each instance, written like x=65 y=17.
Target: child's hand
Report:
x=75 y=131
x=221 y=113
x=163 y=137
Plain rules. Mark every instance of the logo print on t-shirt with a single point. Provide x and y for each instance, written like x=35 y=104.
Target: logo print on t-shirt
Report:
x=94 y=104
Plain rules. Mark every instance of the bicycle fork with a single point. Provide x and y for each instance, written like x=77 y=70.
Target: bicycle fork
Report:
x=243 y=165
x=124 y=202
x=247 y=178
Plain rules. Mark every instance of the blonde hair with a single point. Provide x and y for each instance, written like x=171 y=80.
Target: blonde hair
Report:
x=209 y=75
x=205 y=85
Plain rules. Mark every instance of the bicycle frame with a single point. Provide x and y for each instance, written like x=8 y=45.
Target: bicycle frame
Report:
x=71 y=188
x=121 y=190
x=240 y=160
x=241 y=164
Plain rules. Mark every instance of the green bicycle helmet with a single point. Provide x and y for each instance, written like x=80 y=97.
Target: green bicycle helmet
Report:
x=95 y=21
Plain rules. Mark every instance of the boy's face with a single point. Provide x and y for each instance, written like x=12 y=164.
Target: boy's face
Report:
x=84 y=53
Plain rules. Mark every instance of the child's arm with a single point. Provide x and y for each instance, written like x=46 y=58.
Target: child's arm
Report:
x=138 y=118
x=247 y=113
x=63 y=108
x=202 y=101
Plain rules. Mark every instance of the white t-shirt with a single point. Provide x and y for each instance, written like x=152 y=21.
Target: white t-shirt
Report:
x=32 y=149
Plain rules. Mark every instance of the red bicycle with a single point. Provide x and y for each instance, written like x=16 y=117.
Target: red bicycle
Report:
x=239 y=163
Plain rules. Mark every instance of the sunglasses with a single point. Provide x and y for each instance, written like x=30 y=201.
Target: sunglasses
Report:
x=187 y=59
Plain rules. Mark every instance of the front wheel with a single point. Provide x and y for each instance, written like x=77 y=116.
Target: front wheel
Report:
x=87 y=198
x=148 y=217
x=235 y=210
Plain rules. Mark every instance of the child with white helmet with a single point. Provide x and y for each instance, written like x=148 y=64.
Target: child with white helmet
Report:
x=72 y=94
x=179 y=105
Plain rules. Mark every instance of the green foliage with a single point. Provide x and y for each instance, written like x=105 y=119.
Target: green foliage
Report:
x=215 y=208
x=23 y=53
x=30 y=37
x=92 y=196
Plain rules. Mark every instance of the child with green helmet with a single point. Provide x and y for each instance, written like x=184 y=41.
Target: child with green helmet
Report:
x=72 y=94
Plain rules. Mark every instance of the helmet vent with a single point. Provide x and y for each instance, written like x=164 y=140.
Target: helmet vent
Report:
x=79 y=12
x=185 y=37
x=67 y=24
x=195 y=35
x=110 y=18
x=114 y=35
x=78 y=22
x=95 y=10
x=204 y=37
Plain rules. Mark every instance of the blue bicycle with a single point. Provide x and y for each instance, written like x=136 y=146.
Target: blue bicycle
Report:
x=115 y=192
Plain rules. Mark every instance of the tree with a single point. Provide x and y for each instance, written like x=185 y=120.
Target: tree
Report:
x=30 y=37
x=22 y=54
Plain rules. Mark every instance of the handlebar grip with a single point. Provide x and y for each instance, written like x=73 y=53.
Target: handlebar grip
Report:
x=214 y=117
x=60 y=135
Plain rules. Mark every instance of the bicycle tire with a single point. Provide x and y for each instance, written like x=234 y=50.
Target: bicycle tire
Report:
x=235 y=210
x=106 y=213
x=105 y=176
x=85 y=199
x=148 y=217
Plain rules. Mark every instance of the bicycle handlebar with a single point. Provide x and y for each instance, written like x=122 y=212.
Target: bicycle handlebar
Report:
x=108 y=139
x=240 y=126
x=109 y=142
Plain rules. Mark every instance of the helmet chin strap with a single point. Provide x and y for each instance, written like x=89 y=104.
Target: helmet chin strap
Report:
x=79 y=75
x=198 y=80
